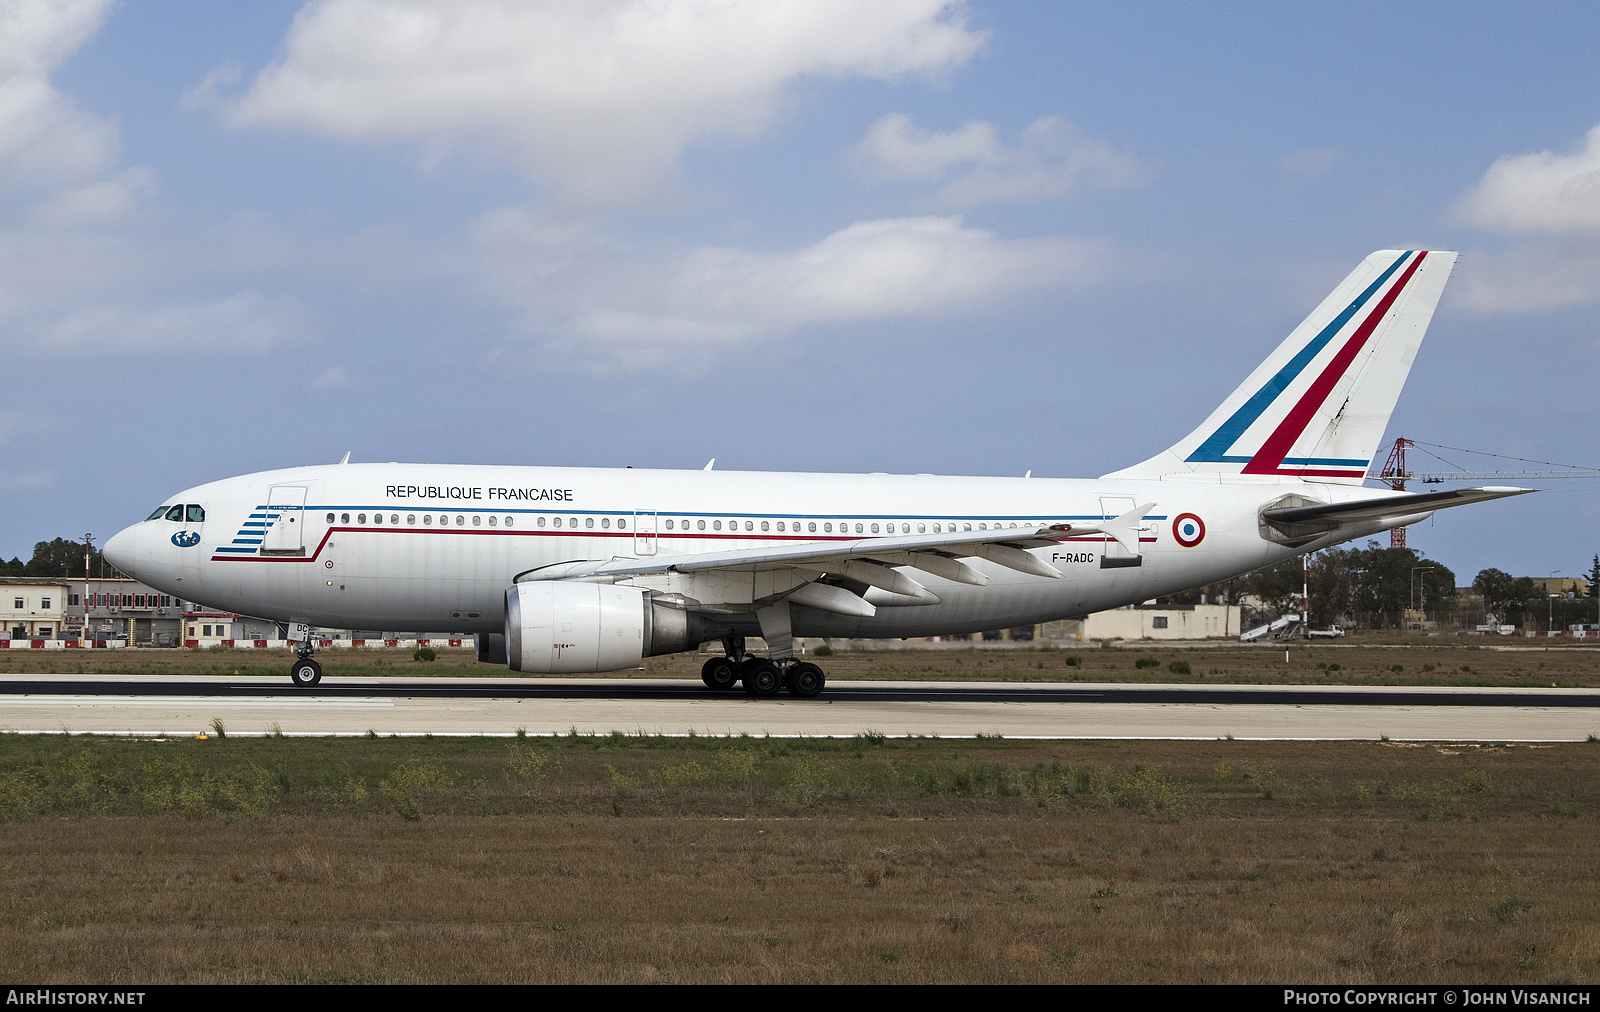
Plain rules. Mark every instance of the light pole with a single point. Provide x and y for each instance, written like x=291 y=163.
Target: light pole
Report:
x=1412 y=586
x=1550 y=604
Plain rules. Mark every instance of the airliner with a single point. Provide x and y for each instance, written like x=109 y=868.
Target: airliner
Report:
x=574 y=570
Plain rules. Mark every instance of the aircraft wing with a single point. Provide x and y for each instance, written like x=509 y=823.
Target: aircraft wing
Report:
x=1388 y=507
x=869 y=560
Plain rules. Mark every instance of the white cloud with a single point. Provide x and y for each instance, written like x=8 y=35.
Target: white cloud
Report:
x=77 y=271
x=331 y=378
x=1530 y=277
x=247 y=321
x=643 y=308
x=1052 y=160
x=26 y=481
x=1543 y=192
x=1311 y=164
x=597 y=99
x=1550 y=203
x=44 y=139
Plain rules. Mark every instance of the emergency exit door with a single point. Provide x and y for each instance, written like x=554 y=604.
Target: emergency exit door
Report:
x=644 y=533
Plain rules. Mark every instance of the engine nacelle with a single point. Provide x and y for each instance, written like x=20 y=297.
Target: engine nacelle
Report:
x=553 y=627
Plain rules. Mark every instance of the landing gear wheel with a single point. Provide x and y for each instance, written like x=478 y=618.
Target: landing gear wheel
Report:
x=720 y=674
x=305 y=672
x=761 y=677
x=804 y=680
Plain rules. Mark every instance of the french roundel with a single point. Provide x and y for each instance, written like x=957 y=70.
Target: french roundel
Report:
x=1188 y=530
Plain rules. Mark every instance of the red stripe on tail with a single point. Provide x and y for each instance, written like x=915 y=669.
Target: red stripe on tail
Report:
x=1269 y=459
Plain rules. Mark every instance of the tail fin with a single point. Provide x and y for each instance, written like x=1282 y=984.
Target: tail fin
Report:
x=1317 y=407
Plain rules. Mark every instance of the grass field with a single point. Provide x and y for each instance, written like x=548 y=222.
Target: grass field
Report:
x=625 y=858
x=1378 y=661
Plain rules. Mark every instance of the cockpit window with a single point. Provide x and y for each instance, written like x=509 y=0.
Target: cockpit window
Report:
x=197 y=514
x=175 y=513
x=157 y=515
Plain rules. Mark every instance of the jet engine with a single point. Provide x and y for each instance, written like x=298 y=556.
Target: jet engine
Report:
x=554 y=627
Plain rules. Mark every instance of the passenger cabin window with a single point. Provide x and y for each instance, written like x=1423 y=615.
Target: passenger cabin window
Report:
x=669 y=525
x=361 y=518
x=812 y=527
x=700 y=525
x=411 y=518
x=476 y=521
x=492 y=521
x=764 y=526
x=623 y=523
x=588 y=522
x=508 y=521
x=716 y=525
x=330 y=518
x=197 y=514
x=344 y=518
x=427 y=520
x=461 y=521
x=175 y=513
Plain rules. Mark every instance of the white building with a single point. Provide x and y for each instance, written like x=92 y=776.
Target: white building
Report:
x=1153 y=622
x=32 y=609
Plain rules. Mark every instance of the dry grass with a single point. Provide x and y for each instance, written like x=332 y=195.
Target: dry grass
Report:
x=639 y=859
x=1391 y=660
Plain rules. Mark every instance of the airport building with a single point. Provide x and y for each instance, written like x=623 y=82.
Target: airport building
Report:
x=32 y=609
x=1152 y=622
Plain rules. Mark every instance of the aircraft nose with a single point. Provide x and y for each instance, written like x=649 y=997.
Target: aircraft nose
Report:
x=121 y=551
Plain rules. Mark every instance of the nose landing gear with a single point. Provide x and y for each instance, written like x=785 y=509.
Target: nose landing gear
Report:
x=304 y=672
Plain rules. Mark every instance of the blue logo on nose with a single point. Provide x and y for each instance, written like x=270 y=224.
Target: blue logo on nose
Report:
x=186 y=539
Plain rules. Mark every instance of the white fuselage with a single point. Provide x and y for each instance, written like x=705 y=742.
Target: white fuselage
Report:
x=434 y=547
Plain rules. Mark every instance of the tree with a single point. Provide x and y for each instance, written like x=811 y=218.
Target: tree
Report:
x=1594 y=578
x=1277 y=587
x=12 y=568
x=60 y=558
x=1505 y=595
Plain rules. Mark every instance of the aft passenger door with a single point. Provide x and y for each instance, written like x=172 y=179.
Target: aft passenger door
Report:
x=1112 y=554
x=285 y=520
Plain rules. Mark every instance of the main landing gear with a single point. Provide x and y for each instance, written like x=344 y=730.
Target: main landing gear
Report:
x=761 y=676
x=304 y=672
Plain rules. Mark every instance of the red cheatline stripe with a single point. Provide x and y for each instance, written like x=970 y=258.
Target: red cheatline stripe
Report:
x=1269 y=459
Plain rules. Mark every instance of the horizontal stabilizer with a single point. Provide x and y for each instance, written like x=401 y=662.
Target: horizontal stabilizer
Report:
x=1395 y=507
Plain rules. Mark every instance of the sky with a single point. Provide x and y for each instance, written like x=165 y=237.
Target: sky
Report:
x=906 y=236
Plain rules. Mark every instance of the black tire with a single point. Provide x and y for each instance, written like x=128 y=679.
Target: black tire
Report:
x=761 y=677
x=805 y=680
x=720 y=674
x=305 y=673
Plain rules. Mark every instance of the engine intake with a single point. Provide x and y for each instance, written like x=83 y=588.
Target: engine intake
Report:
x=554 y=627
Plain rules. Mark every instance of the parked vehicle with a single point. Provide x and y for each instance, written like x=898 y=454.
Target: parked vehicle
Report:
x=1331 y=633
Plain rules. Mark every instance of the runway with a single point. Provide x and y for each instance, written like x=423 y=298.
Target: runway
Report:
x=144 y=705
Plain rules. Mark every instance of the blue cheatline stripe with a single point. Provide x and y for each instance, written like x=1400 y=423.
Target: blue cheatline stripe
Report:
x=1211 y=451
x=663 y=514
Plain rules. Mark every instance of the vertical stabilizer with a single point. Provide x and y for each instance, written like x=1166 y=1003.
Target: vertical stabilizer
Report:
x=1319 y=404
